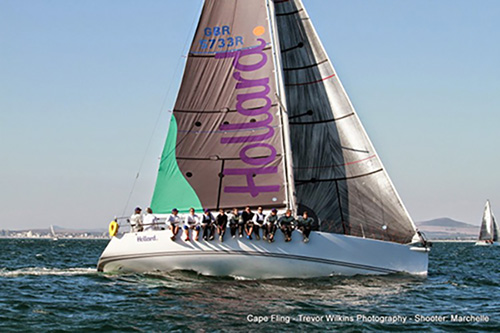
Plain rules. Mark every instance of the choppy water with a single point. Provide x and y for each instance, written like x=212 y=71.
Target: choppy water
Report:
x=50 y=285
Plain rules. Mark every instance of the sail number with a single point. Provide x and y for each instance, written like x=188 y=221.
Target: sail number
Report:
x=219 y=37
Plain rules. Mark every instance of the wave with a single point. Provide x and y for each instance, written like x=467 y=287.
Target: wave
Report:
x=38 y=271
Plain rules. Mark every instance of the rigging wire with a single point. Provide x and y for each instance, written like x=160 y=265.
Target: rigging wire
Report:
x=167 y=93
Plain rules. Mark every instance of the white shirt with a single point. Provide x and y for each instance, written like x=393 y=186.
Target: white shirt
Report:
x=174 y=219
x=258 y=218
x=136 y=221
x=150 y=221
x=192 y=220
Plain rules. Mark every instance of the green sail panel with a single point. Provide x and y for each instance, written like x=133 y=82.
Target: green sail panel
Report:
x=172 y=190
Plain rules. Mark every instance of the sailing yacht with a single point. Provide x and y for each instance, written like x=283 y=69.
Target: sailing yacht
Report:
x=488 y=234
x=262 y=119
x=53 y=233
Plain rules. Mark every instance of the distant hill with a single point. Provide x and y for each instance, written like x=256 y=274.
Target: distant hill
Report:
x=446 y=228
x=445 y=222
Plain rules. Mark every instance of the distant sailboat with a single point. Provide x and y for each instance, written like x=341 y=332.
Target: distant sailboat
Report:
x=53 y=233
x=489 y=232
x=262 y=119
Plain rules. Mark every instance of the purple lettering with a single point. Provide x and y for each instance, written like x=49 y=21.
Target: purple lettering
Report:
x=248 y=99
x=258 y=161
x=253 y=189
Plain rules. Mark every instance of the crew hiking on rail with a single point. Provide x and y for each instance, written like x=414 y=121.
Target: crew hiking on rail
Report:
x=245 y=223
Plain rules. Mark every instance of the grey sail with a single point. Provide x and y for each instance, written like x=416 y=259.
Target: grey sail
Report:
x=487 y=232
x=339 y=177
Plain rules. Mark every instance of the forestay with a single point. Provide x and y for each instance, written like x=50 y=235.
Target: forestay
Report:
x=338 y=175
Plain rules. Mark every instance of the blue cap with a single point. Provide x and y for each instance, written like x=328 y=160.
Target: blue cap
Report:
x=175 y=210
x=274 y=210
x=207 y=210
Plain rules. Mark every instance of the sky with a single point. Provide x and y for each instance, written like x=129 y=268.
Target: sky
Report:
x=86 y=89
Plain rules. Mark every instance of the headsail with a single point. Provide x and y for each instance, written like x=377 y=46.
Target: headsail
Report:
x=487 y=224
x=338 y=175
x=225 y=147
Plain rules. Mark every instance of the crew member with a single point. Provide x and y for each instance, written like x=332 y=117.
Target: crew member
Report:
x=247 y=217
x=221 y=222
x=234 y=220
x=305 y=224
x=136 y=220
x=287 y=223
x=174 y=221
x=207 y=224
x=150 y=221
x=258 y=223
x=270 y=225
x=192 y=222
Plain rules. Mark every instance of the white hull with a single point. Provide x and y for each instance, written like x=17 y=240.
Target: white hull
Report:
x=326 y=254
x=483 y=243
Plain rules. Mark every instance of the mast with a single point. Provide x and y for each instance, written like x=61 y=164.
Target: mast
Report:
x=285 y=126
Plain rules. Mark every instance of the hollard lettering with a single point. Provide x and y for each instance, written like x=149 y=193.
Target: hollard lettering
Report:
x=250 y=61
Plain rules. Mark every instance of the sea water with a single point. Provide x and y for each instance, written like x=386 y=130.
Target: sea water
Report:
x=50 y=285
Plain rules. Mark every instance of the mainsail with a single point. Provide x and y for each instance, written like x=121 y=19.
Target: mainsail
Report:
x=488 y=225
x=225 y=145
x=339 y=177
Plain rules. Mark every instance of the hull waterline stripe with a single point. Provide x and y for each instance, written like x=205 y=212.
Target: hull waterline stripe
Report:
x=106 y=260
